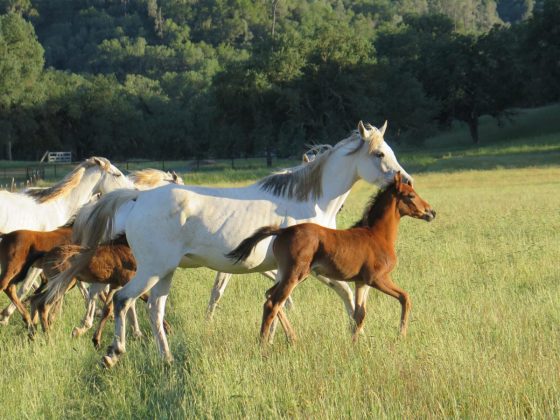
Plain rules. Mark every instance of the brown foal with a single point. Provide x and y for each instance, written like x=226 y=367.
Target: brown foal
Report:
x=364 y=254
x=112 y=265
x=19 y=250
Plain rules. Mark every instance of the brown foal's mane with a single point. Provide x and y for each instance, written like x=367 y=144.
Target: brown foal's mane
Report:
x=376 y=206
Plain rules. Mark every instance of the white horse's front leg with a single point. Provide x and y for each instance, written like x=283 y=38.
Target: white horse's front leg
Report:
x=343 y=290
x=133 y=318
x=87 y=322
x=141 y=283
x=29 y=282
x=220 y=284
x=156 y=305
x=83 y=290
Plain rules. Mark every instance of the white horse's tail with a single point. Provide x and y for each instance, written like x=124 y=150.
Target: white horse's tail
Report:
x=94 y=224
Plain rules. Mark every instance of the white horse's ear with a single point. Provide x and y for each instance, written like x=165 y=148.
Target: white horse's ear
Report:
x=383 y=128
x=305 y=158
x=364 y=132
x=103 y=163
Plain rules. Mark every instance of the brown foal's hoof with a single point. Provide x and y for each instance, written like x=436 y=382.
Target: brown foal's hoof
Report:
x=96 y=343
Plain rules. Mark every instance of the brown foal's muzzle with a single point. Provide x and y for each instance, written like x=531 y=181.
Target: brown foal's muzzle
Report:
x=429 y=215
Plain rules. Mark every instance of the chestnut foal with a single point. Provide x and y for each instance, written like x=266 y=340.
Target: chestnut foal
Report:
x=364 y=254
x=21 y=249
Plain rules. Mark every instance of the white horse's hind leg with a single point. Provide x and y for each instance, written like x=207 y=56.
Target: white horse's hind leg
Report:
x=220 y=284
x=133 y=318
x=156 y=305
x=29 y=283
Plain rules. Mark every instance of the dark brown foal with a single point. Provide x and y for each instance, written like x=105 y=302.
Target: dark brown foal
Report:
x=364 y=254
x=108 y=265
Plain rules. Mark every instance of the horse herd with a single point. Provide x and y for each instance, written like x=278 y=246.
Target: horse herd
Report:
x=126 y=235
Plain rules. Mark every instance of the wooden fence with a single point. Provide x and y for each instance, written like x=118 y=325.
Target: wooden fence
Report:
x=14 y=178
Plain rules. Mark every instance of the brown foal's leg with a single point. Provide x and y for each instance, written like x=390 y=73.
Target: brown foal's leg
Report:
x=11 y=291
x=361 y=293
x=107 y=312
x=386 y=285
x=278 y=295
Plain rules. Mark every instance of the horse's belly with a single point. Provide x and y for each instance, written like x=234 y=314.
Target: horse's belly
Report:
x=219 y=262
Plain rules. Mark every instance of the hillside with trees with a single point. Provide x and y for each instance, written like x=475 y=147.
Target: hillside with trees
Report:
x=232 y=78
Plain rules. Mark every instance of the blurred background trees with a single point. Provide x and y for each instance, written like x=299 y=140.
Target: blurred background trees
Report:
x=230 y=78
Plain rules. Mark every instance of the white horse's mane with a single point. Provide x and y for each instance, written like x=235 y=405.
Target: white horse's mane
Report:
x=70 y=181
x=305 y=179
x=152 y=177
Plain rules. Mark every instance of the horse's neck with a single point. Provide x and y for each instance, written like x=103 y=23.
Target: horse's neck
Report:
x=77 y=197
x=387 y=226
x=339 y=175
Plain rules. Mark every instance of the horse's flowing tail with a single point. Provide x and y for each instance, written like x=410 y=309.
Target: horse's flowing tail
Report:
x=244 y=249
x=94 y=224
x=61 y=270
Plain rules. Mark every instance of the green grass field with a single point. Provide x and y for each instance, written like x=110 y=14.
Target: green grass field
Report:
x=484 y=337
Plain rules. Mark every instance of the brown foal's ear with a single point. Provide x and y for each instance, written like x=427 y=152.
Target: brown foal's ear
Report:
x=398 y=179
x=409 y=182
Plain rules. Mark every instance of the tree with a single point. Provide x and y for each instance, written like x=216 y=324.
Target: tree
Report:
x=21 y=63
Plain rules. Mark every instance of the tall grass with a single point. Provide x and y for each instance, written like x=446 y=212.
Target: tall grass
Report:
x=483 y=340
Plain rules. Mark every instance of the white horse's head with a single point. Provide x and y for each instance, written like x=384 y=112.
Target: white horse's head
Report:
x=376 y=162
x=111 y=178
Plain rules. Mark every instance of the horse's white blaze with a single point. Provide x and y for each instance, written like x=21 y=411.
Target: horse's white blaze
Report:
x=196 y=226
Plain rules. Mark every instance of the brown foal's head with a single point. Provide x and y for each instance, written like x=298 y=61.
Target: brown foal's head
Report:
x=409 y=203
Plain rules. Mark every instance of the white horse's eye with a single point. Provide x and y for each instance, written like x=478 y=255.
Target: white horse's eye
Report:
x=379 y=155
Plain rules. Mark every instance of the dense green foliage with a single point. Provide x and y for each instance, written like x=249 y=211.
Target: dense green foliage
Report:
x=225 y=78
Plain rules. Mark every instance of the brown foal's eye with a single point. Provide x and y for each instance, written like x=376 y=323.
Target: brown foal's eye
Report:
x=379 y=155
x=411 y=196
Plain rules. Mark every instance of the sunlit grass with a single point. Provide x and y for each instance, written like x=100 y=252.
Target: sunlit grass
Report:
x=483 y=341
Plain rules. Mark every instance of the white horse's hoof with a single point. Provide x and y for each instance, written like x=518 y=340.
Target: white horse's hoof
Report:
x=76 y=332
x=4 y=321
x=137 y=334
x=109 y=361
x=168 y=358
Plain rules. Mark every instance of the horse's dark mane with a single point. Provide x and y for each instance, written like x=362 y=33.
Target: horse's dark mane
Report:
x=376 y=207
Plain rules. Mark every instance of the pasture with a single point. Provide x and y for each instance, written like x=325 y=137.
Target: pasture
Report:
x=483 y=338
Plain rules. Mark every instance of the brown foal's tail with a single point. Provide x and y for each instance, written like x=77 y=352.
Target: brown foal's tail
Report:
x=241 y=253
x=62 y=265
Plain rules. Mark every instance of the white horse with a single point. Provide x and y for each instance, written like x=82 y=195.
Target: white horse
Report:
x=49 y=208
x=195 y=226
x=142 y=179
